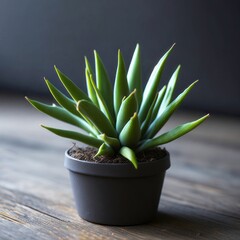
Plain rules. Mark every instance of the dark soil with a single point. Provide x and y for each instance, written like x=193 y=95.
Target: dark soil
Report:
x=88 y=154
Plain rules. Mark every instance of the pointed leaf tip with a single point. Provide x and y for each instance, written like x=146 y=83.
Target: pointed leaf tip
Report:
x=129 y=154
x=131 y=132
x=128 y=107
x=106 y=150
x=173 y=134
x=121 y=85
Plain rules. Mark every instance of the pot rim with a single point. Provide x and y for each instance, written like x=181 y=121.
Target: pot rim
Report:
x=120 y=170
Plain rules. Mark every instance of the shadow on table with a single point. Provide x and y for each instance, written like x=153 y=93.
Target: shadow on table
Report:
x=187 y=225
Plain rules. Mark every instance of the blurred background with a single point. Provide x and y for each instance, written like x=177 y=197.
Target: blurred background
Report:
x=35 y=35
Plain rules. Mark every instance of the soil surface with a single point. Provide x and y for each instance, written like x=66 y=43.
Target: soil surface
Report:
x=88 y=154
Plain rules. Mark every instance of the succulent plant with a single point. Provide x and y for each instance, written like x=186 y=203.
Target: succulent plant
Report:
x=123 y=119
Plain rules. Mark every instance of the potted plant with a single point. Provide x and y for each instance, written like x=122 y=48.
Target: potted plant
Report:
x=118 y=180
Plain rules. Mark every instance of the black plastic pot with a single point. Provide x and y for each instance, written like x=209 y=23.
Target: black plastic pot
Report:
x=117 y=194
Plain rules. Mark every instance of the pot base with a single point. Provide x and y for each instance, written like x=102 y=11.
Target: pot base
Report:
x=116 y=201
x=117 y=194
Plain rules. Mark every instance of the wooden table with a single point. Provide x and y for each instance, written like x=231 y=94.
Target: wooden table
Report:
x=200 y=198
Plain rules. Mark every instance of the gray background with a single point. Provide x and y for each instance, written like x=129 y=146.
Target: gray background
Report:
x=35 y=35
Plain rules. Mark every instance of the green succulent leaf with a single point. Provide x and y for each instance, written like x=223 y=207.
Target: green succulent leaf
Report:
x=128 y=107
x=147 y=121
x=113 y=142
x=62 y=99
x=159 y=122
x=91 y=141
x=172 y=134
x=91 y=92
x=75 y=92
x=169 y=92
x=96 y=117
x=61 y=114
x=153 y=111
x=152 y=86
x=121 y=85
x=105 y=150
x=158 y=103
x=134 y=75
x=88 y=66
x=129 y=154
x=103 y=83
x=102 y=103
x=131 y=133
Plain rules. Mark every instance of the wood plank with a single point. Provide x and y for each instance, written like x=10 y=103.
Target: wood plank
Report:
x=200 y=198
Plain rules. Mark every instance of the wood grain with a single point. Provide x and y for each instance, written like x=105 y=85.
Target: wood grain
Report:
x=200 y=199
